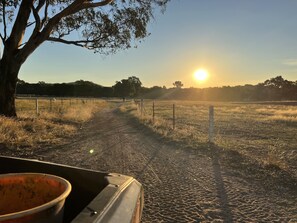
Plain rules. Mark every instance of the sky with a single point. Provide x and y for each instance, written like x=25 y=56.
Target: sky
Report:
x=237 y=41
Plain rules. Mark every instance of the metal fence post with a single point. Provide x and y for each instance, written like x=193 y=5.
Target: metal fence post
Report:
x=173 y=114
x=141 y=107
x=153 y=112
x=36 y=105
x=211 y=124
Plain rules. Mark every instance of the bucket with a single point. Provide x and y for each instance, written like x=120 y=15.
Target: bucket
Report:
x=32 y=198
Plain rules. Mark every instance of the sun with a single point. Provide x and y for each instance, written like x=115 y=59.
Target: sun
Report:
x=201 y=75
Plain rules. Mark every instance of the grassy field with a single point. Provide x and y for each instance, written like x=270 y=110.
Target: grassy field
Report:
x=264 y=132
x=54 y=122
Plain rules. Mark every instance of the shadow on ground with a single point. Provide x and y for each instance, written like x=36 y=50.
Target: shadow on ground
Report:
x=270 y=177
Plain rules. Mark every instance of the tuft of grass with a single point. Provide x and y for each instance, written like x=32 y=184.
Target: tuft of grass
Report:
x=48 y=128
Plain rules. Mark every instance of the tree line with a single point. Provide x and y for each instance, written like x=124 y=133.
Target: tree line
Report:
x=273 y=89
x=78 y=88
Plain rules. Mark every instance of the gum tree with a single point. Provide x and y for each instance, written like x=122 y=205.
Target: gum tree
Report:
x=103 y=26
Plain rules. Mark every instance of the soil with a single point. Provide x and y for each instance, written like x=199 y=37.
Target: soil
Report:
x=202 y=184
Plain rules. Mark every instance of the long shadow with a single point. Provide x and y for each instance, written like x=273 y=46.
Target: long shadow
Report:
x=270 y=177
x=235 y=163
x=211 y=151
x=220 y=186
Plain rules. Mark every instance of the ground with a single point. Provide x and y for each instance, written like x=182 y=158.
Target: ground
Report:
x=202 y=184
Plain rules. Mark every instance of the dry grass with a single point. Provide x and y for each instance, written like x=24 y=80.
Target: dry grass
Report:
x=49 y=127
x=279 y=114
x=266 y=133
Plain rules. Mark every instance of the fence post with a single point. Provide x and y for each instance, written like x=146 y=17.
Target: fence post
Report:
x=36 y=105
x=141 y=107
x=211 y=124
x=153 y=112
x=173 y=116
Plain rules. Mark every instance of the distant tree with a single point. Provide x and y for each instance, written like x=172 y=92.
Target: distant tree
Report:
x=178 y=84
x=277 y=82
x=104 y=26
x=127 y=87
x=280 y=89
x=135 y=84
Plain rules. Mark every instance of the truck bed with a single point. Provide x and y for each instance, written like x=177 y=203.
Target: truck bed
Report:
x=96 y=196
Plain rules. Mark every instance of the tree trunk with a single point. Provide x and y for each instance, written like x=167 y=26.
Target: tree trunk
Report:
x=8 y=79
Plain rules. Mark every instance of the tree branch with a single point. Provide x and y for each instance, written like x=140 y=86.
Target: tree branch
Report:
x=31 y=23
x=4 y=22
x=37 y=20
x=2 y=38
x=75 y=7
x=40 y=5
x=61 y=35
x=81 y=43
x=35 y=40
x=44 y=35
x=20 y=24
x=45 y=13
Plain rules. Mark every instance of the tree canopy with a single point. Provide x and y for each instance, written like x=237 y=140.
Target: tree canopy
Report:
x=127 y=87
x=178 y=84
x=104 y=26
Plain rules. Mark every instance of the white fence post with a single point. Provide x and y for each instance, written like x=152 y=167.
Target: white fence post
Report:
x=36 y=106
x=211 y=124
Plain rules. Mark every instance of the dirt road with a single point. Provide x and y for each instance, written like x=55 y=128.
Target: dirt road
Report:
x=204 y=184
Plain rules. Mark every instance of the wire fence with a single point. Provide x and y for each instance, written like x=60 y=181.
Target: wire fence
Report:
x=249 y=124
x=37 y=105
x=168 y=113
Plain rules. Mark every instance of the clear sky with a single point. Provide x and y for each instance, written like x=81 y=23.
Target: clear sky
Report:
x=238 y=41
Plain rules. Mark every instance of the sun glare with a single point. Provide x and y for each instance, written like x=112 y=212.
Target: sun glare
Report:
x=201 y=75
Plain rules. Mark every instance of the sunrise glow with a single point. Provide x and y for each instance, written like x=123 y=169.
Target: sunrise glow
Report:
x=201 y=75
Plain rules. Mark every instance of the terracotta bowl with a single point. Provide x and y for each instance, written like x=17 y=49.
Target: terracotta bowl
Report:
x=32 y=197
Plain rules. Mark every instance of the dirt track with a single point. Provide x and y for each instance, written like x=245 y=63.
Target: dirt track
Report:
x=181 y=185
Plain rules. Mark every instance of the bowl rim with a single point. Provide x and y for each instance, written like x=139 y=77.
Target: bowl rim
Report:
x=44 y=206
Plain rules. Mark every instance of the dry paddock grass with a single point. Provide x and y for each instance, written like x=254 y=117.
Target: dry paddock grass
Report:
x=266 y=132
x=50 y=126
